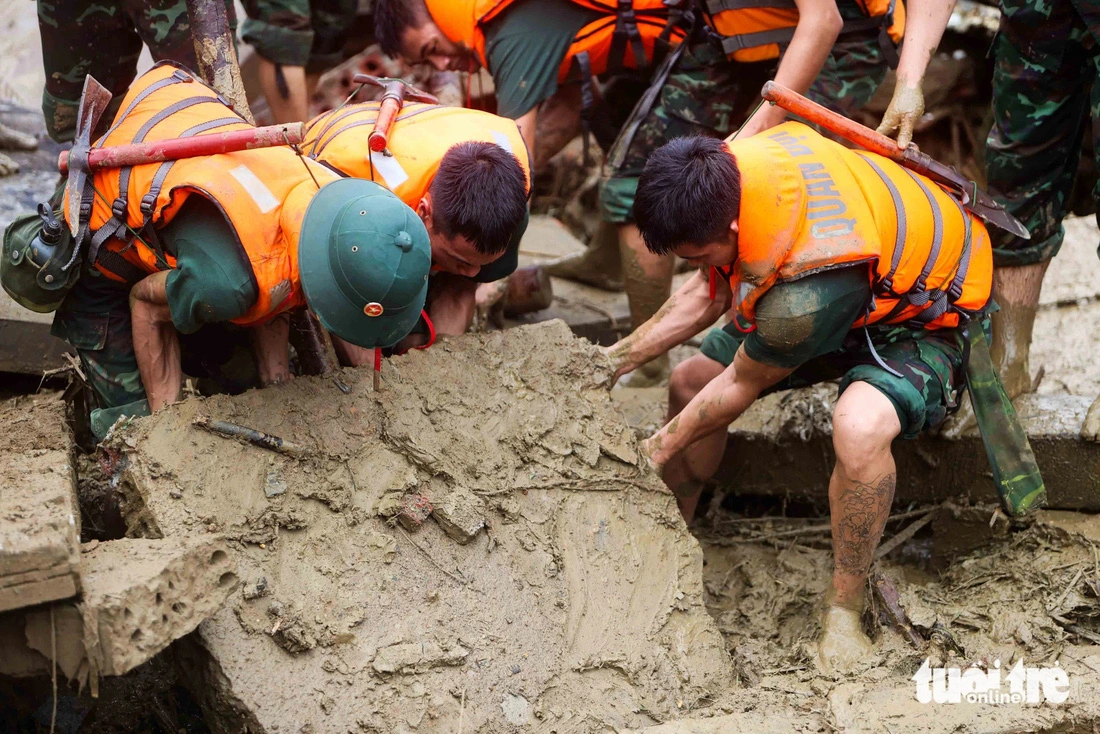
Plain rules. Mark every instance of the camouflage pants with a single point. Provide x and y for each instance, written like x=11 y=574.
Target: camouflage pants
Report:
x=104 y=39
x=309 y=33
x=1044 y=92
x=930 y=364
x=705 y=94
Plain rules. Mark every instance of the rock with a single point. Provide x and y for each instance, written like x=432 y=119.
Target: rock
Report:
x=587 y=554
x=39 y=515
x=415 y=509
x=461 y=515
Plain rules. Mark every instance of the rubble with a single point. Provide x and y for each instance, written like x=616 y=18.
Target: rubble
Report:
x=39 y=516
x=581 y=596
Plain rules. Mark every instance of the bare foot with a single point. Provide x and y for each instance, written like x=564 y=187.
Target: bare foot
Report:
x=8 y=167
x=843 y=647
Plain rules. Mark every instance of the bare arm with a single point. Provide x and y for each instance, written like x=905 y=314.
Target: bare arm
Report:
x=819 y=23
x=269 y=344
x=924 y=25
x=451 y=304
x=156 y=343
x=558 y=123
x=527 y=124
x=721 y=402
x=685 y=314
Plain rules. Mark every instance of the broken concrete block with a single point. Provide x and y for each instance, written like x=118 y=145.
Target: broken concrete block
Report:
x=461 y=514
x=586 y=600
x=415 y=509
x=140 y=595
x=39 y=515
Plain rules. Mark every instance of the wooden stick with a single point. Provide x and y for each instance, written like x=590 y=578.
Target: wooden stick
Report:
x=215 y=53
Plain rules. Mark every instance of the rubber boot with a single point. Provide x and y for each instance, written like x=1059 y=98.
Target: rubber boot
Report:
x=1016 y=291
x=844 y=648
x=647 y=279
x=599 y=265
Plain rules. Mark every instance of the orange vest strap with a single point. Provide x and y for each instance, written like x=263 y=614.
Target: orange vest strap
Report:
x=886 y=283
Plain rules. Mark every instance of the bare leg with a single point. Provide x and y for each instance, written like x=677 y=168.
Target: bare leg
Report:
x=860 y=493
x=294 y=107
x=1016 y=291
x=685 y=473
x=647 y=279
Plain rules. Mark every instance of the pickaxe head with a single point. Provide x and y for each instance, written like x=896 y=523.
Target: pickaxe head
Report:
x=93 y=103
x=397 y=89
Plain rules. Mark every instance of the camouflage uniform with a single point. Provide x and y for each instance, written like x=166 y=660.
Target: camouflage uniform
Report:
x=1044 y=90
x=309 y=33
x=104 y=39
x=930 y=362
x=708 y=95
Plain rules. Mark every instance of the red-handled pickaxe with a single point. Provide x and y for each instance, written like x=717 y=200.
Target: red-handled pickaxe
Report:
x=395 y=92
x=83 y=159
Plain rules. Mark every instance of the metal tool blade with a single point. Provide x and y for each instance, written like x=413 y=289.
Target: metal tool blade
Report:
x=988 y=209
x=93 y=103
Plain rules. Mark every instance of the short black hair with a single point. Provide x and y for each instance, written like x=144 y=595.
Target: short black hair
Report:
x=392 y=18
x=688 y=194
x=479 y=192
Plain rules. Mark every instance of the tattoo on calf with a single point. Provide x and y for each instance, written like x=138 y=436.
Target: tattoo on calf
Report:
x=864 y=506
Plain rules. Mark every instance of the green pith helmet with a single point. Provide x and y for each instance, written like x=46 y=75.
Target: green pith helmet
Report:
x=36 y=250
x=364 y=258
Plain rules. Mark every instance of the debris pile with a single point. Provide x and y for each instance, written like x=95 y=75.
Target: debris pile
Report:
x=480 y=551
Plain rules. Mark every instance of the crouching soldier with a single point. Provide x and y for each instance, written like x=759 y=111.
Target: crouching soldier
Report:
x=241 y=237
x=467 y=175
x=841 y=265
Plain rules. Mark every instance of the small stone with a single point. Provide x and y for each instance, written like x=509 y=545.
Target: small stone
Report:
x=257 y=589
x=175 y=494
x=515 y=670
x=461 y=515
x=415 y=509
x=275 y=483
x=90 y=546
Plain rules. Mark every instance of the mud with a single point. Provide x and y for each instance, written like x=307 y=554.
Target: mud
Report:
x=578 y=606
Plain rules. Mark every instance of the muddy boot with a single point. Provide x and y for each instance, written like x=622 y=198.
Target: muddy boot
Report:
x=1091 y=430
x=15 y=140
x=962 y=421
x=647 y=279
x=8 y=167
x=1016 y=291
x=600 y=265
x=843 y=648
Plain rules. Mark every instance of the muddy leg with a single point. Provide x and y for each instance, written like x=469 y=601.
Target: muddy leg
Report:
x=860 y=492
x=293 y=107
x=599 y=265
x=685 y=473
x=1016 y=291
x=647 y=279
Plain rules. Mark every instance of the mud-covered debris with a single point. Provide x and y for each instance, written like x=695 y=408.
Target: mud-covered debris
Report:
x=274 y=483
x=415 y=509
x=461 y=514
x=416 y=657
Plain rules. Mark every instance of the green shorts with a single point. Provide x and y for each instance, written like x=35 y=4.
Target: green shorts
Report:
x=309 y=33
x=930 y=362
x=706 y=94
x=104 y=39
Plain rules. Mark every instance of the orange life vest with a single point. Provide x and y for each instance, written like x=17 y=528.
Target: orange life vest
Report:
x=263 y=193
x=627 y=36
x=809 y=204
x=421 y=135
x=758 y=30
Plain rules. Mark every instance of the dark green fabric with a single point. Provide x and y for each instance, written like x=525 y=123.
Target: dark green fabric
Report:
x=1045 y=89
x=104 y=39
x=806 y=318
x=525 y=47
x=930 y=362
x=309 y=33
x=213 y=279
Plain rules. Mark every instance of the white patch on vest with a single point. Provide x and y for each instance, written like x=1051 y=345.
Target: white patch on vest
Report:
x=502 y=140
x=744 y=291
x=390 y=170
x=260 y=194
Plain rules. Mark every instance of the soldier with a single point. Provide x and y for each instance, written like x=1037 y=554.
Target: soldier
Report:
x=803 y=237
x=104 y=39
x=712 y=89
x=241 y=238
x=1044 y=90
x=467 y=175
x=296 y=40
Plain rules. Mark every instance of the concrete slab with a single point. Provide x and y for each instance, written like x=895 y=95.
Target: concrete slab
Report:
x=39 y=515
x=1074 y=273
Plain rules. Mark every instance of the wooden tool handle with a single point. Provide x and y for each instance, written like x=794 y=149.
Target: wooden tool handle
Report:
x=387 y=113
x=811 y=111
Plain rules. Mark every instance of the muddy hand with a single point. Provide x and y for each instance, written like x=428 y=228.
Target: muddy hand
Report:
x=906 y=107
